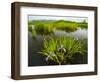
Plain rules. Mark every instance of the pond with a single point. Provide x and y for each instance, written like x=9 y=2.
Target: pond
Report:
x=36 y=44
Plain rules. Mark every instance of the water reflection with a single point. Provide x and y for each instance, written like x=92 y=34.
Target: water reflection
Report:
x=78 y=34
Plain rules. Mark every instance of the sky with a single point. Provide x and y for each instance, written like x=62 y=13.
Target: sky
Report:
x=69 y=18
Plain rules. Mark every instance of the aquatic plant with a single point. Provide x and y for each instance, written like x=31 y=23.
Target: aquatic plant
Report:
x=61 y=50
x=44 y=28
x=67 y=26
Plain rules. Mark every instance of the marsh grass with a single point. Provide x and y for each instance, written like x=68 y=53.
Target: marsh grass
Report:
x=67 y=26
x=47 y=27
x=61 y=50
x=44 y=28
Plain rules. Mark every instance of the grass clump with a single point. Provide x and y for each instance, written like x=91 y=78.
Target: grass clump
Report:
x=61 y=50
x=83 y=25
x=66 y=25
x=44 y=28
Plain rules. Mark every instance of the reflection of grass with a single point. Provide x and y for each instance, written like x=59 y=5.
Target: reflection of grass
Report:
x=46 y=27
x=61 y=50
x=33 y=32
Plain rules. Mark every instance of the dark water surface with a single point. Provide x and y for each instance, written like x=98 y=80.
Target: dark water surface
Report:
x=34 y=46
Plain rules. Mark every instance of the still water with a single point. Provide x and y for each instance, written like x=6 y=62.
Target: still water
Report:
x=35 y=45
